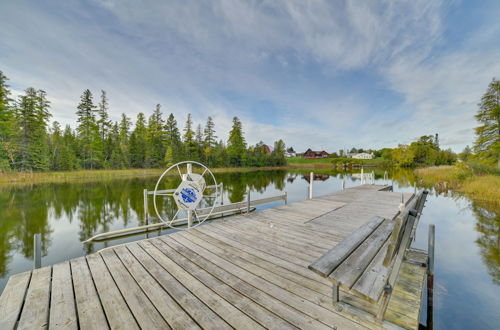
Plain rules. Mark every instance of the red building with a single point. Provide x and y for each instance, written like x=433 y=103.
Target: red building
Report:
x=311 y=154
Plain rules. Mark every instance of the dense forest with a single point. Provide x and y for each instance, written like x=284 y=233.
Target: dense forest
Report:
x=29 y=142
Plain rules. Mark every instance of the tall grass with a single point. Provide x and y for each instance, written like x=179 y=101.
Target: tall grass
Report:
x=477 y=182
x=80 y=176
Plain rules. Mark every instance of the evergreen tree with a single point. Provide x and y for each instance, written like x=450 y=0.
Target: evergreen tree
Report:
x=209 y=142
x=199 y=144
x=173 y=141
x=236 y=145
x=67 y=159
x=33 y=115
x=124 y=142
x=138 y=142
x=188 y=139
x=103 y=122
x=487 y=144
x=7 y=126
x=91 y=144
x=209 y=133
x=155 y=139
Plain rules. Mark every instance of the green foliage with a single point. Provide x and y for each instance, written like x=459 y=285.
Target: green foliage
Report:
x=424 y=151
x=7 y=126
x=236 y=145
x=90 y=141
x=155 y=139
x=487 y=144
x=32 y=112
x=27 y=144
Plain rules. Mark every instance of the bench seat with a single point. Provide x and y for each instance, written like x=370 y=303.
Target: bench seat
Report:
x=356 y=263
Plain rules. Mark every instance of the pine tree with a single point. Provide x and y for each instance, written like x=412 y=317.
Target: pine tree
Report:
x=173 y=140
x=155 y=139
x=487 y=144
x=124 y=141
x=67 y=159
x=138 y=142
x=33 y=115
x=188 y=139
x=236 y=145
x=103 y=122
x=209 y=133
x=199 y=144
x=7 y=126
x=91 y=144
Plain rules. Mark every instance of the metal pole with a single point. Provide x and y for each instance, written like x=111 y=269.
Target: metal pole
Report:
x=37 y=251
x=248 y=200
x=146 y=211
x=189 y=170
x=311 y=178
x=430 y=277
x=222 y=193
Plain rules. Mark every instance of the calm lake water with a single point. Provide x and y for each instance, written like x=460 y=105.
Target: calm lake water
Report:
x=467 y=267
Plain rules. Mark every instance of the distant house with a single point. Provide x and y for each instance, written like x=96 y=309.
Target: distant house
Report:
x=363 y=155
x=290 y=152
x=311 y=154
x=267 y=149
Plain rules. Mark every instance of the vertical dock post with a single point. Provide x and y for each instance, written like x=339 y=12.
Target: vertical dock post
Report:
x=373 y=177
x=286 y=198
x=311 y=178
x=189 y=170
x=222 y=193
x=37 y=251
x=248 y=200
x=362 y=175
x=415 y=187
x=430 y=277
x=343 y=183
x=146 y=211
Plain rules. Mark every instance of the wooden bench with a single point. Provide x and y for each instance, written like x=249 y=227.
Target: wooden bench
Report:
x=367 y=262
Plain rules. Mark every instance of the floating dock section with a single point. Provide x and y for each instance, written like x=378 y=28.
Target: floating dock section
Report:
x=247 y=272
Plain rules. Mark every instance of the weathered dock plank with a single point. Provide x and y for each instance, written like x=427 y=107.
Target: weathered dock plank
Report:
x=247 y=272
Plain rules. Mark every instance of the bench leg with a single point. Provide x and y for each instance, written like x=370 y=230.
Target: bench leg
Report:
x=335 y=294
x=384 y=302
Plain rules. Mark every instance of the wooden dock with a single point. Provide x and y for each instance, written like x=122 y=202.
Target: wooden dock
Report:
x=246 y=272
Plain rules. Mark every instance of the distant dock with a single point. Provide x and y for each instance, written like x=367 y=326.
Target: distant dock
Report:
x=249 y=271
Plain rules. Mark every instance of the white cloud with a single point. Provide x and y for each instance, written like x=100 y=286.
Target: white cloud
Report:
x=302 y=57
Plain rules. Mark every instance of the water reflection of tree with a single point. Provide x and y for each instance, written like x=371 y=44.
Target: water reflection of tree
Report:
x=488 y=227
x=97 y=207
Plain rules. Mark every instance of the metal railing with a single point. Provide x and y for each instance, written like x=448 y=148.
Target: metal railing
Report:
x=218 y=211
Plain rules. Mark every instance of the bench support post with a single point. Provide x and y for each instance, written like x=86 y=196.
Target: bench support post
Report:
x=335 y=294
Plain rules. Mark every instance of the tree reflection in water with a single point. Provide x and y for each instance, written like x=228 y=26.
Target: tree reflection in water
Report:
x=92 y=208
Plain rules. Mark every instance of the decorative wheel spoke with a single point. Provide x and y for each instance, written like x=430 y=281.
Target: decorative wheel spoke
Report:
x=191 y=195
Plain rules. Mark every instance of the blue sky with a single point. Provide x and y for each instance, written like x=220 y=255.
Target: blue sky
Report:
x=320 y=74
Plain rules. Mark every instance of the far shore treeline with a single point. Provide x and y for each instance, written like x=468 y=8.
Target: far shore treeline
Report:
x=29 y=143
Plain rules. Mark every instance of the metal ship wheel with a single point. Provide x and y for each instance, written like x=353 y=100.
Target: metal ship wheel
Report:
x=190 y=195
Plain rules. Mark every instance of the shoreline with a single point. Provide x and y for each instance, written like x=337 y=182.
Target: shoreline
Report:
x=462 y=179
x=82 y=176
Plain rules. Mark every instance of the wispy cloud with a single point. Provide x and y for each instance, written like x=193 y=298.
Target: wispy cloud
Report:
x=325 y=74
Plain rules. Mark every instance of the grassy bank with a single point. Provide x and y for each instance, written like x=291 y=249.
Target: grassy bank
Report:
x=477 y=183
x=20 y=178
x=322 y=163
